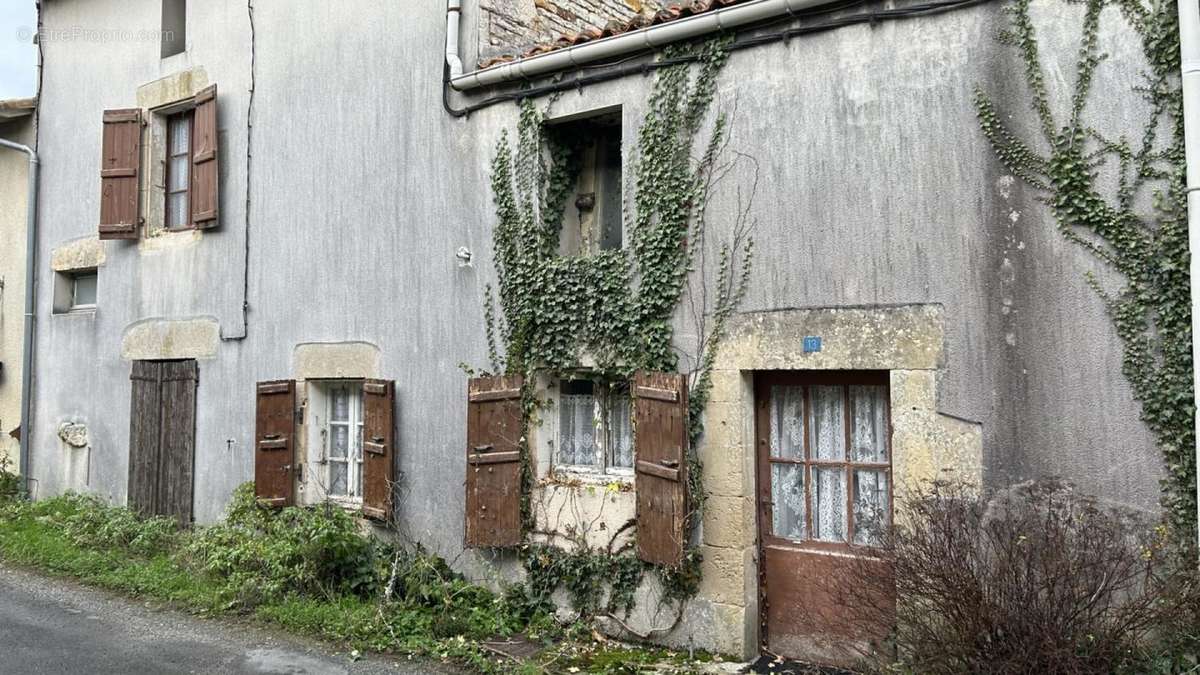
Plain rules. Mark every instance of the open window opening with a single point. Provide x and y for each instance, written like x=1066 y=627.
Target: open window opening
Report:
x=75 y=291
x=595 y=429
x=174 y=27
x=336 y=408
x=592 y=218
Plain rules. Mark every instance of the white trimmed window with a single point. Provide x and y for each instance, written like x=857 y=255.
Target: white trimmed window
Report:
x=341 y=459
x=595 y=432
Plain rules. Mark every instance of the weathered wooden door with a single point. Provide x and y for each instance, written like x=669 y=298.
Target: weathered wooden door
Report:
x=162 y=438
x=494 y=425
x=660 y=406
x=824 y=497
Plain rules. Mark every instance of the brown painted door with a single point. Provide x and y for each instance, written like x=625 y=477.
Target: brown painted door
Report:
x=824 y=497
x=162 y=438
x=493 y=505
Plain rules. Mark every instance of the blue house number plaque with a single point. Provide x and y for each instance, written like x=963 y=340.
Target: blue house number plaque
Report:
x=812 y=343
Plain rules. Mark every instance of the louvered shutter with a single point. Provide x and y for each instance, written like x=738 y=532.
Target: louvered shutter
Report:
x=121 y=154
x=204 y=160
x=379 y=401
x=660 y=468
x=274 y=442
x=145 y=430
x=493 y=506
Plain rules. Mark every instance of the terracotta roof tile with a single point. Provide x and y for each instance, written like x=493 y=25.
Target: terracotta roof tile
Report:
x=672 y=12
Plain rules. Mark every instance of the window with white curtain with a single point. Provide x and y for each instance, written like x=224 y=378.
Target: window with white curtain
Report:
x=829 y=461
x=343 y=445
x=595 y=432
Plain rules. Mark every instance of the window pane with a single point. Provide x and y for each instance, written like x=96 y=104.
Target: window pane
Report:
x=84 y=290
x=339 y=441
x=177 y=173
x=620 y=430
x=178 y=133
x=829 y=504
x=787 y=422
x=828 y=429
x=340 y=412
x=787 y=495
x=177 y=210
x=869 y=431
x=577 y=429
x=872 y=509
x=337 y=479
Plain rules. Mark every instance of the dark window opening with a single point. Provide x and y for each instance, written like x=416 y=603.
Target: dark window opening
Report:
x=179 y=175
x=592 y=217
x=174 y=27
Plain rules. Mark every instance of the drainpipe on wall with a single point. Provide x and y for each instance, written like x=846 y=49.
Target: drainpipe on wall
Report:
x=453 y=16
x=30 y=275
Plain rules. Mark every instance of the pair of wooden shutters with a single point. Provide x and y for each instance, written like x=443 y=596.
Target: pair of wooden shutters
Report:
x=493 y=503
x=162 y=438
x=275 y=460
x=120 y=169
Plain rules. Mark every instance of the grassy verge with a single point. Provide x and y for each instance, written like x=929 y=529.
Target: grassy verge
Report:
x=308 y=571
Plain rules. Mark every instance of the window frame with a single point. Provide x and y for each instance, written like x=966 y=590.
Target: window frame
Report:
x=189 y=223
x=355 y=422
x=75 y=276
x=845 y=379
x=605 y=448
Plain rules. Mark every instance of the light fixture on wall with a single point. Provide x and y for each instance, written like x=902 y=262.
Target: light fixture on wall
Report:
x=464 y=256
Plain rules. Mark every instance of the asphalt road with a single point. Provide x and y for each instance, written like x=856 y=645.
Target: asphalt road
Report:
x=56 y=626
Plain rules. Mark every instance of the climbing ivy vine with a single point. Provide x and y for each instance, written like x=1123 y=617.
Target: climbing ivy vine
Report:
x=615 y=307
x=1139 y=229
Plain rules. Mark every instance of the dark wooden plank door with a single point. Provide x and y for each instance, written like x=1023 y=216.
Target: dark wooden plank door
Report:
x=274 y=439
x=824 y=493
x=660 y=402
x=145 y=430
x=162 y=438
x=493 y=504
x=379 y=404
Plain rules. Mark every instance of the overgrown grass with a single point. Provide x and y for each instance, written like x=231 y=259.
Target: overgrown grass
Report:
x=307 y=570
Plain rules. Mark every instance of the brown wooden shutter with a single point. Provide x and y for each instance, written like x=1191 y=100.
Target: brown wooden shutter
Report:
x=145 y=430
x=177 y=448
x=493 y=515
x=204 y=159
x=379 y=404
x=660 y=443
x=119 y=169
x=274 y=436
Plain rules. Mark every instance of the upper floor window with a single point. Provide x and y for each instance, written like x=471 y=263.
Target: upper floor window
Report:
x=592 y=219
x=178 y=171
x=174 y=27
x=595 y=432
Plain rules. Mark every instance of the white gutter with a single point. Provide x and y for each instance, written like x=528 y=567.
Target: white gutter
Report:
x=30 y=275
x=1189 y=52
x=651 y=37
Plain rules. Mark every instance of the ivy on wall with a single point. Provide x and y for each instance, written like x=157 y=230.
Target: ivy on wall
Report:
x=614 y=307
x=1146 y=246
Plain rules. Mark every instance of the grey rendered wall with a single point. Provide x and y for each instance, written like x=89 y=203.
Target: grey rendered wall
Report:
x=876 y=188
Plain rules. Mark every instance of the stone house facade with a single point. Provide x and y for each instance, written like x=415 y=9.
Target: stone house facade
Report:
x=288 y=234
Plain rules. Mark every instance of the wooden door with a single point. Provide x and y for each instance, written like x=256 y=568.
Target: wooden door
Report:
x=824 y=497
x=162 y=438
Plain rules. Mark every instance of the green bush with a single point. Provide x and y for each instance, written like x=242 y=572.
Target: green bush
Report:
x=266 y=555
x=10 y=482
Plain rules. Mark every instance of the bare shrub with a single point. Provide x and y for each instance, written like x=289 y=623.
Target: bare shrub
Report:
x=1033 y=579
